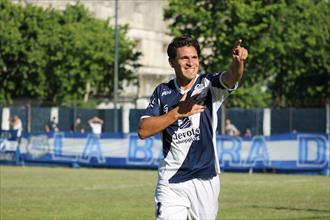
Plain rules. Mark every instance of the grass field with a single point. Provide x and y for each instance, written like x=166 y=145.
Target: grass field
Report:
x=40 y=193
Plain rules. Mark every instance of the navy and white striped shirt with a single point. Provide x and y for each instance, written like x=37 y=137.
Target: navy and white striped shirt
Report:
x=189 y=144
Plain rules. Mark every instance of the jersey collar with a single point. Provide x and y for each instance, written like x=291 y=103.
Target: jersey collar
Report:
x=184 y=91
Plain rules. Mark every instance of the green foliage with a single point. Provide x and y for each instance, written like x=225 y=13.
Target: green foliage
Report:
x=54 y=56
x=288 y=43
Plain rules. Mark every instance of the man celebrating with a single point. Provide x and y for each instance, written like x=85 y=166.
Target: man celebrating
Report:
x=184 y=111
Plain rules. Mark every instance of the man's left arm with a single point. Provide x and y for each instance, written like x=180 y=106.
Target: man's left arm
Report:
x=236 y=68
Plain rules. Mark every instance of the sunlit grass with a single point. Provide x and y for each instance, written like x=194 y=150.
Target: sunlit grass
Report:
x=82 y=194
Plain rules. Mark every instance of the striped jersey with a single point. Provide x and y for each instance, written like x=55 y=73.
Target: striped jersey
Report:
x=189 y=144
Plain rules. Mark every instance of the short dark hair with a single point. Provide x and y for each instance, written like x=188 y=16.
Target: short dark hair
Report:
x=182 y=41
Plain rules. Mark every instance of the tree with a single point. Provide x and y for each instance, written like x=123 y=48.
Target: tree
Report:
x=56 y=57
x=288 y=43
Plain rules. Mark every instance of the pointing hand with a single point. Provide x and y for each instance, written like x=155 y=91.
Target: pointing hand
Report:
x=239 y=53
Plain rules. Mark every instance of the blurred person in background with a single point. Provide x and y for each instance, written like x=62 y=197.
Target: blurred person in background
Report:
x=96 y=125
x=17 y=125
x=77 y=126
x=248 y=133
x=184 y=112
x=230 y=128
x=52 y=126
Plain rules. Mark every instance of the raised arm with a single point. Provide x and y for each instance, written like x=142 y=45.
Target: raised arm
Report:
x=155 y=124
x=95 y=120
x=236 y=68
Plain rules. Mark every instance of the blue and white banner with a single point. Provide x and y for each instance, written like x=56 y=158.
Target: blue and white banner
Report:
x=291 y=152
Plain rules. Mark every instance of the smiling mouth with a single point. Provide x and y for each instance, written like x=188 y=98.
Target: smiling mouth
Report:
x=191 y=69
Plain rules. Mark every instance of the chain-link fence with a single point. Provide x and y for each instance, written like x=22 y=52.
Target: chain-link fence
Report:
x=284 y=120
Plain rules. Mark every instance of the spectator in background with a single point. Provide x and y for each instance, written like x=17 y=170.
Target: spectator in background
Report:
x=248 y=133
x=16 y=125
x=78 y=127
x=231 y=129
x=51 y=126
x=96 y=125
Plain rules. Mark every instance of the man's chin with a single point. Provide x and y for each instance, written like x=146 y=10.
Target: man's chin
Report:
x=190 y=73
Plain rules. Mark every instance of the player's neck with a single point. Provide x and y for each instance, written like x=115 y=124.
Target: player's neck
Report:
x=185 y=84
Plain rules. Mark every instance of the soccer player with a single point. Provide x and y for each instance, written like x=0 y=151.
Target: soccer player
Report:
x=184 y=112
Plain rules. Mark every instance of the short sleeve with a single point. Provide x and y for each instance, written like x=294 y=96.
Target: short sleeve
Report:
x=153 y=108
x=224 y=85
x=218 y=89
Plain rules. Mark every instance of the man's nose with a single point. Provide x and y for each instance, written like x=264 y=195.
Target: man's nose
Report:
x=190 y=62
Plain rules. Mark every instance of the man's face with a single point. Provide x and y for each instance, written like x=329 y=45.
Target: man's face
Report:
x=186 y=63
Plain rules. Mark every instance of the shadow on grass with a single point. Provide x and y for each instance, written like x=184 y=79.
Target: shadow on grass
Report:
x=319 y=211
x=292 y=209
x=300 y=218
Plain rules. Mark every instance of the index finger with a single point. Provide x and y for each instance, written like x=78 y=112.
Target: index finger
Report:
x=238 y=43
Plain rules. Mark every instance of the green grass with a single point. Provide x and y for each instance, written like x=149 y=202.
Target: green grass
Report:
x=40 y=193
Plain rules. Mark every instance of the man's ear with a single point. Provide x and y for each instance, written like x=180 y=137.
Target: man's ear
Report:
x=170 y=61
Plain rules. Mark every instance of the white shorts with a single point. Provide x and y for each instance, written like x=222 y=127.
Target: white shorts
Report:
x=192 y=199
